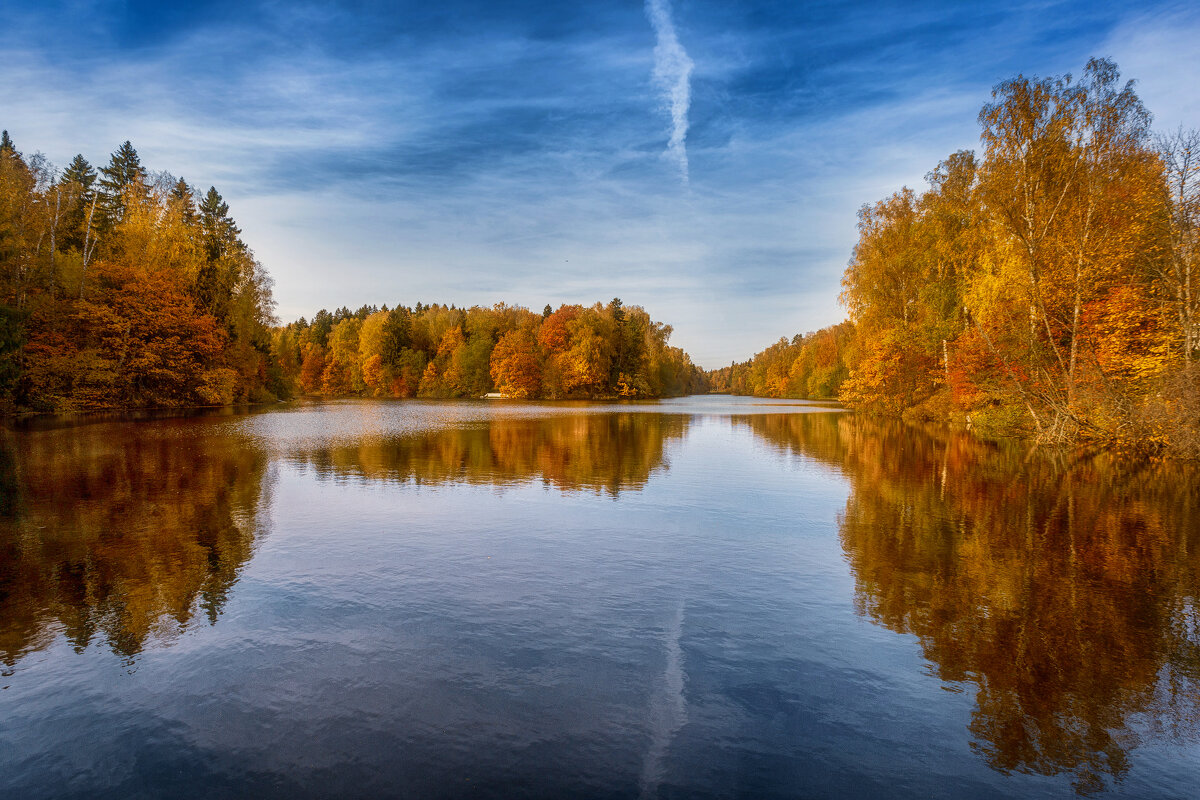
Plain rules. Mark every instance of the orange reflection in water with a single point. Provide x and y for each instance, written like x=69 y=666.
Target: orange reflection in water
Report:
x=127 y=532
x=1062 y=586
x=119 y=532
x=587 y=452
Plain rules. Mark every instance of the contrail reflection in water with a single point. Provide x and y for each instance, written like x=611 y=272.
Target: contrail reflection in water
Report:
x=668 y=709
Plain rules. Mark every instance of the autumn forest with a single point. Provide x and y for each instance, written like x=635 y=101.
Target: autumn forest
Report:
x=126 y=289
x=1045 y=287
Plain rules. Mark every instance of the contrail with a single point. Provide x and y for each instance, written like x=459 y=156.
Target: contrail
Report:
x=672 y=73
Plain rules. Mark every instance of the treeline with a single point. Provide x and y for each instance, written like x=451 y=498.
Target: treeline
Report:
x=122 y=288
x=1049 y=288
x=441 y=351
x=811 y=365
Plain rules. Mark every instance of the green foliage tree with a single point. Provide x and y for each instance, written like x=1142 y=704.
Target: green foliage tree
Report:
x=77 y=182
x=123 y=181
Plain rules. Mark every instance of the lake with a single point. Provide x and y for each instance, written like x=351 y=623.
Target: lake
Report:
x=703 y=597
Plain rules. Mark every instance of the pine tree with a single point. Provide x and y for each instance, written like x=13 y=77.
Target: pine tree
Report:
x=397 y=335
x=80 y=172
x=322 y=324
x=183 y=198
x=77 y=181
x=216 y=226
x=123 y=178
x=8 y=151
x=219 y=235
x=124 y=170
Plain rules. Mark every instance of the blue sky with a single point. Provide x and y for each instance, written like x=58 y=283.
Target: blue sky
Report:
x=701 y=158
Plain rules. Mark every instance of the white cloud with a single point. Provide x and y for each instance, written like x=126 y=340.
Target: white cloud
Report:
x=1159 y=51
x=316 y=155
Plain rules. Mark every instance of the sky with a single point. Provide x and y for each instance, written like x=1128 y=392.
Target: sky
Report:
x=704 y=159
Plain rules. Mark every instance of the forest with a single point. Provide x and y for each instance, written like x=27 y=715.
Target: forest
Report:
x=121 y=288
x=810 y=365
x=438 y=351
x=1046 y=288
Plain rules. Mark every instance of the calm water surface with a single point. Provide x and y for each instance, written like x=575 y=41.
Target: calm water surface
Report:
x=707 y=597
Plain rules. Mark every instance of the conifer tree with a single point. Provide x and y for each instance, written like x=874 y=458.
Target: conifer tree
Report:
x=219 y=235
x=217 y=227
x=322 y=324
x=77 y=181
x=124 y=177
x=8 y=152
x=79 y=171
x=184 y=199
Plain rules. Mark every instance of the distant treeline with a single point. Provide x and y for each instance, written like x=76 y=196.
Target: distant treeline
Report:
x=1050 y=289
x=441 y=351
x=120 y=288
x=811 y=365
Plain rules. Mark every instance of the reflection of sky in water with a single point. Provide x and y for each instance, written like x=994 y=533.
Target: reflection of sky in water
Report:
x=441 y=609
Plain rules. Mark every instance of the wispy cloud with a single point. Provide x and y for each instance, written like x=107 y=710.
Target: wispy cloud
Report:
x=1158 y=50
x=673 y=74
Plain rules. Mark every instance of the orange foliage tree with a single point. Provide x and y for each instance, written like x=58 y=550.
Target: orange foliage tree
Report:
x=117 y=289
x=441 y=351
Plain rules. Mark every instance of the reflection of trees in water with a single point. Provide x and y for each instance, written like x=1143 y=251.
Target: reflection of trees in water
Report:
x=122 y=533
x=126 y=533
x=597 y=452
x=1063 y=587
x=814 y=435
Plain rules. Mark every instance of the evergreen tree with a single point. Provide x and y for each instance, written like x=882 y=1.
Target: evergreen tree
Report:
x=183 y=198
x=322 y=324
x=8 y=152
x=17 y=185
x=618 y=364
x=217 y=227
x=214 y=283
x=80 y=172
x=77 y=181
x=124 y=170
x=123 y=178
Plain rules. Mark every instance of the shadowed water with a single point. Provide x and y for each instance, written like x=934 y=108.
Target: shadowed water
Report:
x=709 y=597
